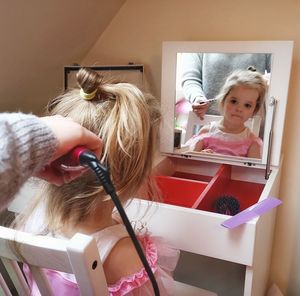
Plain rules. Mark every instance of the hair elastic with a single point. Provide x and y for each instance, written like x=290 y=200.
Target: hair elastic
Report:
x=89 y=96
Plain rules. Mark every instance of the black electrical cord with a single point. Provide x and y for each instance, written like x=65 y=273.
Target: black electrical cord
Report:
x=88 y=159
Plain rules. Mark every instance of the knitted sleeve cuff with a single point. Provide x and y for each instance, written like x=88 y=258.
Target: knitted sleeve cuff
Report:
x=27 y=144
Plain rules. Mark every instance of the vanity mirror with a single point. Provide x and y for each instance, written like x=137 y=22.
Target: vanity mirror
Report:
x=182 y=62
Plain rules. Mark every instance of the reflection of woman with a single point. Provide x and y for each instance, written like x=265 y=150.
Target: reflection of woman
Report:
x=204 y=74
x=240 y=98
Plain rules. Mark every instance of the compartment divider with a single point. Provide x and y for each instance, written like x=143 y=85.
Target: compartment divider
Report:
x=214 y=188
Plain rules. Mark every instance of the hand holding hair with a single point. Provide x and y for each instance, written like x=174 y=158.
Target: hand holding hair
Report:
x=200 y=106
x=69 y=135
x=29 y=143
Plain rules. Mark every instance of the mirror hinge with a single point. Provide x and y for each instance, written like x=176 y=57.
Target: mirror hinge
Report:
x=273 y=104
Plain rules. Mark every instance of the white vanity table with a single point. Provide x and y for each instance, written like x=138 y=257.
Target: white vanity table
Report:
x=191 y=182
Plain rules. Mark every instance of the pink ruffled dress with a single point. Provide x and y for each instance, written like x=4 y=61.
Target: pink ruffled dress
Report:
x=226 y=143
x=161 y=258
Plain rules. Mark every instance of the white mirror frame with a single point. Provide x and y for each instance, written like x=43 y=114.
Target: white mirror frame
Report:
x=280 y=74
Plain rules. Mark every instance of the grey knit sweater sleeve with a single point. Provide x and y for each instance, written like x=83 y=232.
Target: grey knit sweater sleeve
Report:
x=192 y=80
x=26 y=145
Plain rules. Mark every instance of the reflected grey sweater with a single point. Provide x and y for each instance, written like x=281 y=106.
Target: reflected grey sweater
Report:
x=26 y=145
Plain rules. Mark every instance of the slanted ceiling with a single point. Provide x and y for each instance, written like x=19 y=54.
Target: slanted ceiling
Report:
x=38 y=38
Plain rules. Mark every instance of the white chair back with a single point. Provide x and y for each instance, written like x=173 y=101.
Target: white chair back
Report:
x=78 y=256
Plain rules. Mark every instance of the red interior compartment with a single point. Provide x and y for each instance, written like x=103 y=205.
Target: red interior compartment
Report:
x=247 y=193
x=201 y=192
x=179 y=191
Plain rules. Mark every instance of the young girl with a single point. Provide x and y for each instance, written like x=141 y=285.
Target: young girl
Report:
x=127 y=121
x=240 y=98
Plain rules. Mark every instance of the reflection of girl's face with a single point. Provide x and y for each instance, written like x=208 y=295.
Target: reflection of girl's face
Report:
x=240 y=104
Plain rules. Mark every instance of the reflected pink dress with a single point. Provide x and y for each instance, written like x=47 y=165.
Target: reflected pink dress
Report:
x=225 y=143
x=161 y=258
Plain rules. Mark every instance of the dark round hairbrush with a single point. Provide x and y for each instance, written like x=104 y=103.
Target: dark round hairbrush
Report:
x=227 y=205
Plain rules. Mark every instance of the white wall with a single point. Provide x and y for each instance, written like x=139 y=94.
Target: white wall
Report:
x=38 y=38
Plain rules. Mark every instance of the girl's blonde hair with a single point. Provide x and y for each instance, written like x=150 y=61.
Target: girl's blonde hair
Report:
x=127 y=120
x=249 y=78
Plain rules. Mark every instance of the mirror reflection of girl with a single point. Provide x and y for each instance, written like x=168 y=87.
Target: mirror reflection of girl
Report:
x=127 y=121
x=239 y=99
